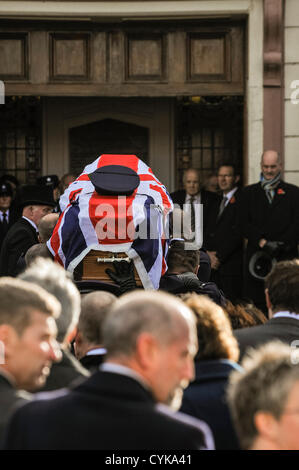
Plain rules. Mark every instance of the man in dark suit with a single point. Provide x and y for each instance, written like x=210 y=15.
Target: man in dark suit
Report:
x=151 y=341
x=35 y=202
x=224 y=242
x=282 y=298
x=192 y=194
x=27 y=343
x=88 y=344
x=270 y=213
x=8 y=216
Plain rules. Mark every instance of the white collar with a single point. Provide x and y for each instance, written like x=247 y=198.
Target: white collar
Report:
x=96 y=352
x=286 y=314
x=230 y=194
x=196 y=197
x=30 y=222
x=123 y=370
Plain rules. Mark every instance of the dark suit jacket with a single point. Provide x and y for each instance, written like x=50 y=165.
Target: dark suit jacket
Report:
x=278 y=221
x=209 y=201
x=13 y=217
x=205 y=399
x=20 y=237
x=282 y=328
x=63 y=373
x=10 y=399
x=225 y=236
x=92 y=362
x=106 y=412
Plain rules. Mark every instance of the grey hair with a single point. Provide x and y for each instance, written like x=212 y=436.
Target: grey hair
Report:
x=94 y=309
x=36 y=251
x=157 y=313
x=54 y=279
x=269 y=373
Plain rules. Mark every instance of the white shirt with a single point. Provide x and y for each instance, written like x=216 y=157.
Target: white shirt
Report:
x=229 y=195
x=286 y=314
x=196 y=200
x=123 y=370
x=7 y=215
x=96 y=352
x=30 y=222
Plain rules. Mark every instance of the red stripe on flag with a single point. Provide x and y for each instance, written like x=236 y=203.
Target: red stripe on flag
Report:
x=55 y=241
x=130 y=161
x=110 y=217
x=74 y=193
x=164 y=196
x=83 y=177
x=147 y=177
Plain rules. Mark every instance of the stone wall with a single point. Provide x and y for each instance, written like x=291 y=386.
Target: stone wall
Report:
x=291 y=94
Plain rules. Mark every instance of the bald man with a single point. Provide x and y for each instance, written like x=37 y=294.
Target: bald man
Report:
x=194 y=194
x=270 y=212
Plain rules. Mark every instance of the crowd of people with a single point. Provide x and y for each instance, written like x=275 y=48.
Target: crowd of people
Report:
x=210 y=360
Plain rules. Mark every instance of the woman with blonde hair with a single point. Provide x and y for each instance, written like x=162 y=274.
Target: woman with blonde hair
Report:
x=216 y=358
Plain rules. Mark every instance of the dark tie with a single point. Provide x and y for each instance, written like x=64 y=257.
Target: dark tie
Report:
x=192 y=212
x=222 y=206
x=4 y=221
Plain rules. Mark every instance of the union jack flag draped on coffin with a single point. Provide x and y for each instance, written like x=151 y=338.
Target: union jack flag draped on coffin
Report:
x=135 y=224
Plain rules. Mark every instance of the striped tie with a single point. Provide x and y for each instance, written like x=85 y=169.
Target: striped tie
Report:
x=222 y=206
x=192 y=212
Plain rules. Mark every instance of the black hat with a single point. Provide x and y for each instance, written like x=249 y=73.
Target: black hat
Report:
x=114 y=180
x=49 y=180
x=5 y=189
x=33 y=194
x=7 y=178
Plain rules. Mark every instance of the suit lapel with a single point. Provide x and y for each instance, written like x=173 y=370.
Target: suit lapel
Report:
x=280 y=194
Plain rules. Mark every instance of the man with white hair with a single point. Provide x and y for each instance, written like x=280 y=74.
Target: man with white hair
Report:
x=150 y=339
x=54 y=279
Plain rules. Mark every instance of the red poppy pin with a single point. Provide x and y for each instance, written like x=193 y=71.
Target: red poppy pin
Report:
x=280 y=191
x=233 y=200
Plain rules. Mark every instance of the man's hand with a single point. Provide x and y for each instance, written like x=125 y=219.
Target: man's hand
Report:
x=262 y=242
x=215 y=263
x=123 y=275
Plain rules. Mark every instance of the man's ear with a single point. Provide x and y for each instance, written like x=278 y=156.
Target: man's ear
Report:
x=268 y=303
x=237 y=178
x=266 y=425
x=8 y=337
x=72 y=335
x=146 y=350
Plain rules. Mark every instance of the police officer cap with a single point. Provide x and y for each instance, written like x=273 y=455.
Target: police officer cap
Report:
x=5 y=189
x=49 y=180
x=114 y=180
